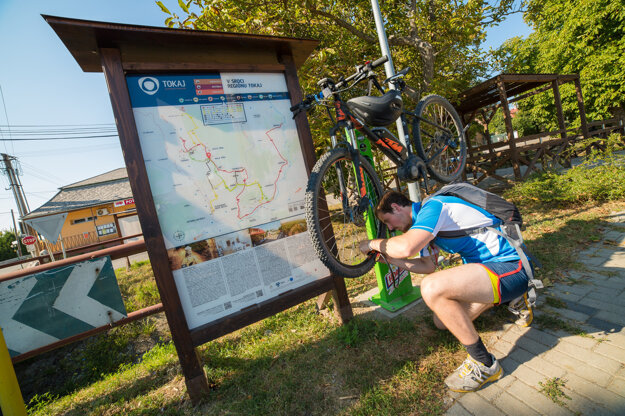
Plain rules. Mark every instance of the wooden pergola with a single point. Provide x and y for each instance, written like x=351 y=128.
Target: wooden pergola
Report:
x=480 y=104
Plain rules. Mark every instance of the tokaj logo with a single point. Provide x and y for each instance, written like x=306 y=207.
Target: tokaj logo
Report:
x=148 y=85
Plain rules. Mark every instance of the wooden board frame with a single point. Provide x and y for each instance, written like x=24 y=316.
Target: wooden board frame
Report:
x=125 y=50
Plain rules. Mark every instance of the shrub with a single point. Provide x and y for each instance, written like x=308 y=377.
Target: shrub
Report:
x=601 y=177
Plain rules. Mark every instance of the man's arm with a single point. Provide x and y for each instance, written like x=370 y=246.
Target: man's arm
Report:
x=401 y=246
x=421 y=265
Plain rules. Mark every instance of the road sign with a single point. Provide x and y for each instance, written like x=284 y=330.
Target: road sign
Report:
x=28 y=240
x=45 y=307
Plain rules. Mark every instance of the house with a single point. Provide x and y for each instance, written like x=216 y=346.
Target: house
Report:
x=98 y=209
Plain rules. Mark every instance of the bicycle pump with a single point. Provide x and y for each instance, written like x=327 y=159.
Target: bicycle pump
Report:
x=395 y=285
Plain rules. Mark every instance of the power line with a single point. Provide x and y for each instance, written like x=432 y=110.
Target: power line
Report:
x=6 y=115
x=56 y=125
x=36 y=169
x=75 y=149
x=45 y=132
x=58 y=138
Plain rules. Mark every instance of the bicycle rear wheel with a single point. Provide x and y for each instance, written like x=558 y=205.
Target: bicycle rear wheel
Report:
x=439 y=138
x=336 y=224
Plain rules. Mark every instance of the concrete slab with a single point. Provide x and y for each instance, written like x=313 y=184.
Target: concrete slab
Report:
x=361 y=305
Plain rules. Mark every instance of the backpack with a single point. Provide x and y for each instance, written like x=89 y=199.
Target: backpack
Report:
x=505 y=211
x=510 y=224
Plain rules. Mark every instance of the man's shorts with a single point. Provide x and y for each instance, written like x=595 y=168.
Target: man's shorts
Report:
x=509 y=280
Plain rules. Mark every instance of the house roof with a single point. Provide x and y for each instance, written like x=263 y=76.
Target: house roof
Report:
x=98 y=190
x=113 y=175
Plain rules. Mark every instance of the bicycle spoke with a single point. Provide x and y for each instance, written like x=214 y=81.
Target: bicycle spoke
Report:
x=440 y=138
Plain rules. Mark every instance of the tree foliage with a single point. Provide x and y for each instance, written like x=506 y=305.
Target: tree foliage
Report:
x=438 y=39
x=6 y=250
x=521 y=122
x=572 y=36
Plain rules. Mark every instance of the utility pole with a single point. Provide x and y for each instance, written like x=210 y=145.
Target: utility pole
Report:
x=413 y=189
x=18 y=193
x=15 y=185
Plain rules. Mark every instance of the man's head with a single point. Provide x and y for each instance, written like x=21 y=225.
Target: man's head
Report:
x=395 y=210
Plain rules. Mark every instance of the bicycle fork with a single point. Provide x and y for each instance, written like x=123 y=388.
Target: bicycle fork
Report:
x=363 y=203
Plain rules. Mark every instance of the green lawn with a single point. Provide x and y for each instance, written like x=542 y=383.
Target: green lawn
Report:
x=300 y=362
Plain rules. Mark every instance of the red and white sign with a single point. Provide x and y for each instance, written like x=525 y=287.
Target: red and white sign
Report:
x=28 y=240
x=124 y=202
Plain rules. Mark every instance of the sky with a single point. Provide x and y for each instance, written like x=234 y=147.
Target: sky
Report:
x=42 y=85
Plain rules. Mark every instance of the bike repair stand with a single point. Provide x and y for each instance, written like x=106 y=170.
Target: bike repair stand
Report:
x=395 y=285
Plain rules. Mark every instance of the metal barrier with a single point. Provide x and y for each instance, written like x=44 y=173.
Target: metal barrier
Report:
x=119 y=251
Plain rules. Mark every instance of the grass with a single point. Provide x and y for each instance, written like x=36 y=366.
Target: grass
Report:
x=552 y=388
x=553 y=322
x=555 y=303
x=298 y=362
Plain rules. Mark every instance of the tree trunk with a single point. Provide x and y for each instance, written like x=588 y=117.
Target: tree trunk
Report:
x=427 y=56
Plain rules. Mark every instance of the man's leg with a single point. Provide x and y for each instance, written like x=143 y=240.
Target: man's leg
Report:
x=457 y=296
x=473 y=310
x=451 y=293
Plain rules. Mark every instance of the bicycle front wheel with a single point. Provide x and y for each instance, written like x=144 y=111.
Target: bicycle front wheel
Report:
x=338 y=217
x=439 y=138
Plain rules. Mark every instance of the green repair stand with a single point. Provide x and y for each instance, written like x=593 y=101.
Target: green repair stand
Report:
x=395 y=291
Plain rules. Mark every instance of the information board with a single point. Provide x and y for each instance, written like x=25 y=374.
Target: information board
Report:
x=227 y=176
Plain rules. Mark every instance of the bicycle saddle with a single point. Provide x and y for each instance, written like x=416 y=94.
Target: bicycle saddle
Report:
x=377 y=111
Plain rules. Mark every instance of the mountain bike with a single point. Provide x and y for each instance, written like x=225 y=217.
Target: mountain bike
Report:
x=344 y=188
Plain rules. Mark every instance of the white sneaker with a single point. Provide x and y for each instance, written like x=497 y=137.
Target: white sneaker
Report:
x=472 y=375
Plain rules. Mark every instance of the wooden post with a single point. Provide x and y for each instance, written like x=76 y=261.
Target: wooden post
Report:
x=514 y=157
x=582 y=111
x=195 y=378
x=559 y=113
x=339 y=294
x=561 y=123
x=486 y=121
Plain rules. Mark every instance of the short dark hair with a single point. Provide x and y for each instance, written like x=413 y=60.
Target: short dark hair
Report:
x=389 y=198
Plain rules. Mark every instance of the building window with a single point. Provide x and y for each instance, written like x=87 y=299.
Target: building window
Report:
x=79 y=220
x=106 y=229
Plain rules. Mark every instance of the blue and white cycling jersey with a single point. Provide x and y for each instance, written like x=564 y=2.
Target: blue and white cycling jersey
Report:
x=450 y=213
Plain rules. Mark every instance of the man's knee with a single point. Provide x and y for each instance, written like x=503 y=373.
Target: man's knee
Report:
x=431 y=289
x=438 y=322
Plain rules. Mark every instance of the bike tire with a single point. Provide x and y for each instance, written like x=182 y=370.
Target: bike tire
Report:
x=334 y=233
x=429 y=139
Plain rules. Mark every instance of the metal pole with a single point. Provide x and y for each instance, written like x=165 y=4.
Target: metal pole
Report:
x=18 y=193
x=8 y=166
x=63 y=247
x=11 y=401
x=413 y=190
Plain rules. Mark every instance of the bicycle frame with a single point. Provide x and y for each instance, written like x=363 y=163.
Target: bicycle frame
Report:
x=379 y=137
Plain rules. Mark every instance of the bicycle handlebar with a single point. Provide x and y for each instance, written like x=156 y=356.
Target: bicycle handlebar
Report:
x=362 y=71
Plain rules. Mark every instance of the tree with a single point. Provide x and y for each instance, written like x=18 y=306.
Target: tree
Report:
x=572 y=36
x=439 y=39
x=7 y=250
x=521 y=123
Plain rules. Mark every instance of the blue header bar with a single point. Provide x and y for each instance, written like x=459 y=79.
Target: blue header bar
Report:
x=207 y=88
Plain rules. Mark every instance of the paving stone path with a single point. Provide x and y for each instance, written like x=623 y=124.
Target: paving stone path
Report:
x=591 y=365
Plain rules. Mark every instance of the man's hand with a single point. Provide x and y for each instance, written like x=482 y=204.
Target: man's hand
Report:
x=364 y=247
